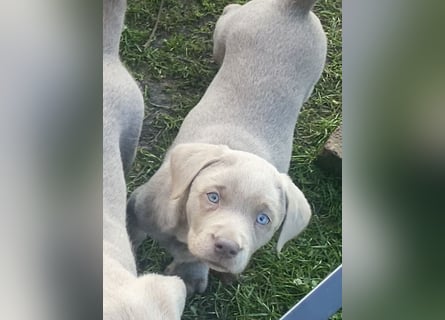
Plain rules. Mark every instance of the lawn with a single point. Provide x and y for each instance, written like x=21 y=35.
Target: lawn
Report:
x=167 y=46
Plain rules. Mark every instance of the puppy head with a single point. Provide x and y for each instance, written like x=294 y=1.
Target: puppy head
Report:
x=150 y=296
x=234 y=202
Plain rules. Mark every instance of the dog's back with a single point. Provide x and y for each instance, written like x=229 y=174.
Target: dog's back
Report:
x=112 y=23
x=122 y=120
x=122 y=99
x=272 y=53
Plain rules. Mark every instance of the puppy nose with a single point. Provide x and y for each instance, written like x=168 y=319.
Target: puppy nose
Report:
x=226 y=248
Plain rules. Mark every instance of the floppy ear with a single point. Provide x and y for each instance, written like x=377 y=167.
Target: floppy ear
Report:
x=186 y=160
x=298 y=212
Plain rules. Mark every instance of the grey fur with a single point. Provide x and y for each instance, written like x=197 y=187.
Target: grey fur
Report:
x=301 y=6
x=125 y=295
x=270 y=57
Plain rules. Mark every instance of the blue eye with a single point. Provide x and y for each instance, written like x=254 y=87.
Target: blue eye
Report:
x=213 y=197
x=262 y=219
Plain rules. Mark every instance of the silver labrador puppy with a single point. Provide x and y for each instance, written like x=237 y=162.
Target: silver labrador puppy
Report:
x=222 y=190
x=125 y=295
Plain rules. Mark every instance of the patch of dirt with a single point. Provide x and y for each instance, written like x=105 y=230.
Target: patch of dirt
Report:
x=156 y=102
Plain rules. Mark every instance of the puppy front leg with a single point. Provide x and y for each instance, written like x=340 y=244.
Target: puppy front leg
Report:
x=191 y=270
x=194 y=274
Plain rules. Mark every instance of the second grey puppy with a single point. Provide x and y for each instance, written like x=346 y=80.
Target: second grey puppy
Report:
x=126 y=296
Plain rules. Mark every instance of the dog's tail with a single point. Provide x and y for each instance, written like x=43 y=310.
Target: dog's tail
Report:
x=301 y=6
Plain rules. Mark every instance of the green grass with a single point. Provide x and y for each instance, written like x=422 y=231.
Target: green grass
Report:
x=173 y=72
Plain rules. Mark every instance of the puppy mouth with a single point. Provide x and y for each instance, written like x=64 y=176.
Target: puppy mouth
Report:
x=216 y=266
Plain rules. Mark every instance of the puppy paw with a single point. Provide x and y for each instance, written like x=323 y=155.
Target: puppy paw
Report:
x=194 y=275
x=225 y=278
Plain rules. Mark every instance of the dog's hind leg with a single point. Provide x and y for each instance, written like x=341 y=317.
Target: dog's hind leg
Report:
x=128 y=143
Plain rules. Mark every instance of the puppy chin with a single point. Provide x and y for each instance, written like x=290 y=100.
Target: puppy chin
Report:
x=220 y=267
x=215 y=267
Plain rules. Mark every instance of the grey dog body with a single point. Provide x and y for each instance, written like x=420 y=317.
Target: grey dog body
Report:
x=271 y=54
x=122 y=120
x=125 y=294
x=250 y=107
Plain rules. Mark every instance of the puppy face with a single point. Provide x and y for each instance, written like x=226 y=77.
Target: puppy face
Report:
x=234 y=203
x=233 y=208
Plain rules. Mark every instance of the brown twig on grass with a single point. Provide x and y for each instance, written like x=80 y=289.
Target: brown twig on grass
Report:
x=152 y=34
